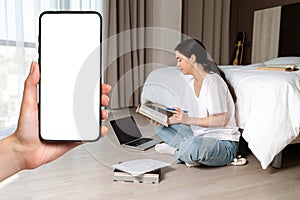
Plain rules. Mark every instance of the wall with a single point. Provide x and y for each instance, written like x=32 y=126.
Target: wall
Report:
x=167 y=14
x=241 y=19
x=290 y=31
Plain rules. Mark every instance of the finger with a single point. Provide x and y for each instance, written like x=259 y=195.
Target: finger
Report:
x=104 y=114
x=178 y=110
x=104 y=100
x=30 y=88
x=104 y=130
x=156 y=124
x=177 y=115
x=150 y=120
x=105 y=88
x=153 y=122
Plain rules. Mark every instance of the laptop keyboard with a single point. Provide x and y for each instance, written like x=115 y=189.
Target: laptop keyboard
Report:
x=139 y=141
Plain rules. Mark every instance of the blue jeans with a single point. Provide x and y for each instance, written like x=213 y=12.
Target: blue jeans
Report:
x=191 y=149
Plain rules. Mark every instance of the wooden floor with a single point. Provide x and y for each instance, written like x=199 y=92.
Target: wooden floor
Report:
x=86 y=173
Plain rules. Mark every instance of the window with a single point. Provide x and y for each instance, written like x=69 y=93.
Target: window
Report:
x=17 y=50
x=18 y=47
x=9 y=90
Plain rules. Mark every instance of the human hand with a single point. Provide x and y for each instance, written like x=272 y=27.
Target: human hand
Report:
x=153 y=122
x=104 y=102
x=33 y=152
x=179 y=116
x=23 y=149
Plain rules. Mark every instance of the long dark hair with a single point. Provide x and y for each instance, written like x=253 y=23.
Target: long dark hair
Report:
x=189 y=47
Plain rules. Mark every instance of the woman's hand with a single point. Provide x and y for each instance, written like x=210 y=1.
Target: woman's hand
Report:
x=178 y=117
x=153 y=122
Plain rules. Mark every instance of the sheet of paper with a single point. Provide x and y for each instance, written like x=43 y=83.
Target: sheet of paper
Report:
x=142 y=166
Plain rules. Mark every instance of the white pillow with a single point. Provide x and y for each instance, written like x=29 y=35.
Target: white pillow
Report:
x=283 y=60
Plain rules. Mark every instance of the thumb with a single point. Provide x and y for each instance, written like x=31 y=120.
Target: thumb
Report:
x=30 y=88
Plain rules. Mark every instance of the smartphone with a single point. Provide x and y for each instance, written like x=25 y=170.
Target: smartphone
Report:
x=70 y=76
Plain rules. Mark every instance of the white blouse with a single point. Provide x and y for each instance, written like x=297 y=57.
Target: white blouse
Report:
x=215 y=98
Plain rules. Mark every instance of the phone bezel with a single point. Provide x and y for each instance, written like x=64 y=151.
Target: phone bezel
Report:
x=41 y=66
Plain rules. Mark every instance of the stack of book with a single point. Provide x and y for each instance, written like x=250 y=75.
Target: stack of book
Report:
x=152 y=177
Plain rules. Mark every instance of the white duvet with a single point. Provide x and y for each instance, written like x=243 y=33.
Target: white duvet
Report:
x=267 y=107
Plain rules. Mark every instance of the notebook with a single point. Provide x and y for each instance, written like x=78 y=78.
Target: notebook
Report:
x=129 y=135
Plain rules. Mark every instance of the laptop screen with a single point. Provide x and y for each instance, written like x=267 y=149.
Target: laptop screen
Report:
x=126 y=129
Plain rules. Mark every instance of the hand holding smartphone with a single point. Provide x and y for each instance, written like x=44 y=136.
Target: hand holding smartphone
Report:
x=70 y=66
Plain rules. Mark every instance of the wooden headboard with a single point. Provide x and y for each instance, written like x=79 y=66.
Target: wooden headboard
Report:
x=266 y=29
x=276 y=33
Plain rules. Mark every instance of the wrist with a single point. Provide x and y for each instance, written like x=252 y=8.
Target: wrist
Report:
x=186 y=119
x=17 y=152
x=11 y=160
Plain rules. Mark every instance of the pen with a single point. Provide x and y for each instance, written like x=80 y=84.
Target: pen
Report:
x=173 y=109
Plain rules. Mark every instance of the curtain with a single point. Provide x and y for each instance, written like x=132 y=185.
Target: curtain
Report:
x=125 y=59
x=208 y=21
x=18 y=37
x=124 y=52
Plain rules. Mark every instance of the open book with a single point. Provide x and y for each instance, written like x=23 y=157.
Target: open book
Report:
x=155 y=111
x=279 y=67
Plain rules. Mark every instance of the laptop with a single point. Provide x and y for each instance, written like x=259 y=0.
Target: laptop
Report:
x=129 y=135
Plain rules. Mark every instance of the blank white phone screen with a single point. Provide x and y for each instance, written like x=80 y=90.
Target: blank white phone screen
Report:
x=67 y=41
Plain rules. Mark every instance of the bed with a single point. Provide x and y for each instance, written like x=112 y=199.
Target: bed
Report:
x=267 y=106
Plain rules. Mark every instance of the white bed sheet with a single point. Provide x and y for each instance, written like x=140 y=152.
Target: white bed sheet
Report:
x=267 y=107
